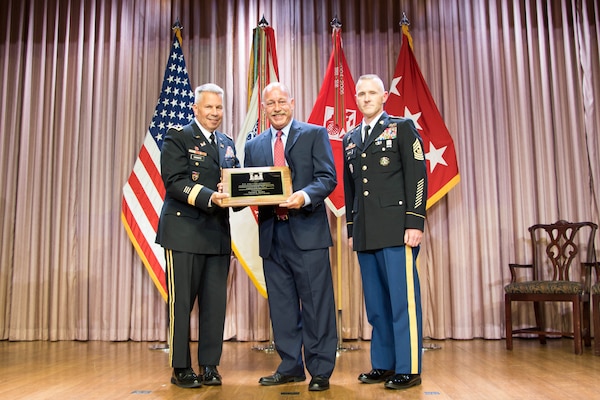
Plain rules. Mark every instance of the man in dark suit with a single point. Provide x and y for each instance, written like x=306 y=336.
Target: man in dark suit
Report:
x=294 y=241
x=194 y=231
x=385 y=188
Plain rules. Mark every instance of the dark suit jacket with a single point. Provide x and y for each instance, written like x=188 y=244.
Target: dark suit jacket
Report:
x=191 y=169
x=309 y=156
x=385 y=183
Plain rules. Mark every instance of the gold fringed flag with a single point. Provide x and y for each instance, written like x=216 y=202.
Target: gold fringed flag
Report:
x=409 y=97
x=262 y=70
x=335 y=109
x=144 y=192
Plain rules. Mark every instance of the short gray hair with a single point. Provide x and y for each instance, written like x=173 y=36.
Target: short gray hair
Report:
x=207 y=87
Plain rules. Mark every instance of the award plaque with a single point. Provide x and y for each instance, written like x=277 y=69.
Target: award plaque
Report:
x=256 y=186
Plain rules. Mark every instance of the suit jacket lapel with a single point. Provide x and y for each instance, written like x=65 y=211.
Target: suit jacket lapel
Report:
x=295 y=132
x=265 y=145
x=355 y=137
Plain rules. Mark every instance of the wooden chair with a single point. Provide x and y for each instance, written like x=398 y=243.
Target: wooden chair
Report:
x=556 y=248
x=596 y=311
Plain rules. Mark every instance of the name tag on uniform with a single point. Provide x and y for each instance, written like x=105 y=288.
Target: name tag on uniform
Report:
x=197 y=155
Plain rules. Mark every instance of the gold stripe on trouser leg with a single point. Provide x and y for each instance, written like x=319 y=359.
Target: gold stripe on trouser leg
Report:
x=412 y=311
x=171 y=289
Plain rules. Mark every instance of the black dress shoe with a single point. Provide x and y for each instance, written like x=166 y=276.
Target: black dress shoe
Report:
x=185 y=378
x=318 y=383
x=403 y=381
x=375 y=376
x=278 y=379
x=210 y=376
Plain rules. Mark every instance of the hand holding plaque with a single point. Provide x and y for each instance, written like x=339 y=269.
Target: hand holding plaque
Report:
x=256 y=186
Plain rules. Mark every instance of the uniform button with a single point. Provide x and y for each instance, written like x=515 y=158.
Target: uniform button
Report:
x=365 y=180
x=400 y=202
x=363 y=155
x=364 y=167
x=179 y=213
x=197 y=164
x=366 y=193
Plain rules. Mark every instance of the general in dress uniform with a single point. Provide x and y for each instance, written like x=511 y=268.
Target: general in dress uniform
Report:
x=194 y=231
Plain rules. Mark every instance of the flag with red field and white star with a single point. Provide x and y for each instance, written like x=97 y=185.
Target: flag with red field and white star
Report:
x=409 y=97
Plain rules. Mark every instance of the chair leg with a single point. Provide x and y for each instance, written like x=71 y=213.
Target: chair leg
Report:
x=578 y=347
x=539 y=319
x=587 y=331
x=508 y=322
x=596 y=311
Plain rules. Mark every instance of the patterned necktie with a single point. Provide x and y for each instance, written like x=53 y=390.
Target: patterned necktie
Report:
x=278 y=152
x=366 y=136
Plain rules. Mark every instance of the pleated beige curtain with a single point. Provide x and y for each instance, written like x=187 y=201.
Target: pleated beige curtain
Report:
x=517 y=83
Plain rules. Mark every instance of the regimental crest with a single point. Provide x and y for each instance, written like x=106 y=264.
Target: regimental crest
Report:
x=335 y=131
x=195 y=175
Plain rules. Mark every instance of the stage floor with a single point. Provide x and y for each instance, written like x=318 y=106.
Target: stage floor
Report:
x=472 y=369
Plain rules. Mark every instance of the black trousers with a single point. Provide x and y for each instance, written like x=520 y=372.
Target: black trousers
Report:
x=191 y=277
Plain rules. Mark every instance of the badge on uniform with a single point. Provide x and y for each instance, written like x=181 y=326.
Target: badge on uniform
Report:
x=229 y=152
x=195 y=175
x=391 y=132
x=418 y=151
x=384 y=161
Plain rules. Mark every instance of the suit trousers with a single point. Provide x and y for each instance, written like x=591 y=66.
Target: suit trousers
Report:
x=301 y=303
x=393 y=302
x=202 y=277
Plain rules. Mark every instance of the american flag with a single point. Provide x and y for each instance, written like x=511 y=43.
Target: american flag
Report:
x=144 y=192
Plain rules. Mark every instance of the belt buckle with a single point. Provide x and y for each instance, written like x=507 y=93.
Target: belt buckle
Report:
x=284 y=217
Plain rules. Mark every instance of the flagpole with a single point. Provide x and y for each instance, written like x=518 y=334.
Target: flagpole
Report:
x=259 y=75
x=404 y=24
x=339 y=107
x=164 y=346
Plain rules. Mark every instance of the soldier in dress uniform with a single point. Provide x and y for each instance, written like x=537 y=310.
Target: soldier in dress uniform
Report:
x=194 y=231
x=385 y=189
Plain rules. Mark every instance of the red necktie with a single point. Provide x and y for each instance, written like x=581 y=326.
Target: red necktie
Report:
x=278 y=152
x=279 y=161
